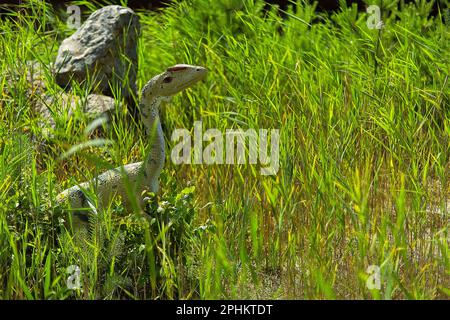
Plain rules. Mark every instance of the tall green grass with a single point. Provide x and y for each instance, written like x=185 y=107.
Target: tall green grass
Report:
x=365 y=160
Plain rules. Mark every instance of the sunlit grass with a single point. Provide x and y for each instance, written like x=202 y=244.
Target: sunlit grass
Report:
x=364 y=162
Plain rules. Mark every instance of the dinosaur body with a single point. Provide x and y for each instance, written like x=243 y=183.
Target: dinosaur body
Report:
x=139 y=176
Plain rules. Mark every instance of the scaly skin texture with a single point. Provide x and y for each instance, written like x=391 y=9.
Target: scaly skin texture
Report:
x=139 y=176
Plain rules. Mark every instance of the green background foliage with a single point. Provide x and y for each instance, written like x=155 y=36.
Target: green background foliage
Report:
x=364 y=121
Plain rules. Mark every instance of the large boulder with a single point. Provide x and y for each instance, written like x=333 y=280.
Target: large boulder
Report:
x=36 y=78
x=93 y=106
x=104 y=50
x=46 y=103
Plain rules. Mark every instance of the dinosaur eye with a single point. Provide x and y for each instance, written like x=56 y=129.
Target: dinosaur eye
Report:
x=167 y=79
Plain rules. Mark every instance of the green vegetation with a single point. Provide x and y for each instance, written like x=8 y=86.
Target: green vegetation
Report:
x=364 y=175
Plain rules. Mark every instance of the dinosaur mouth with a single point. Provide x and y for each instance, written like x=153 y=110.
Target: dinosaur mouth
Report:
x=193 y=81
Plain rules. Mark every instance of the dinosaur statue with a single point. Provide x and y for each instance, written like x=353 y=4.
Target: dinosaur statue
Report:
x=142 y=175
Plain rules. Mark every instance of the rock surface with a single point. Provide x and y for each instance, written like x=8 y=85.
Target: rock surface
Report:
x=97 y=50
x=94 y=105
x=44 y=102
x=35 y=75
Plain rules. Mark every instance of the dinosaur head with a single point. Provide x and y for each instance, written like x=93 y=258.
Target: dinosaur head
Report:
x=175 y=79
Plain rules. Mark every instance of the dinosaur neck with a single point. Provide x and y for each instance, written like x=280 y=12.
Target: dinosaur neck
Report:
x=154 y=161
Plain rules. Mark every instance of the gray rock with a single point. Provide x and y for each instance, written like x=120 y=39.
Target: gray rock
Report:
x=96 y=51
x=97 y=104
x=46 y=103
x=36 y=78
x=94 y=105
